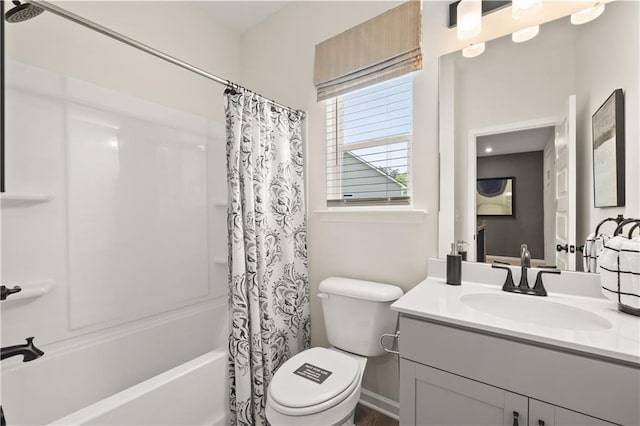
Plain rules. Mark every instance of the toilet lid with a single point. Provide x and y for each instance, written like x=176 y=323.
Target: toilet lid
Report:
x=313 y=377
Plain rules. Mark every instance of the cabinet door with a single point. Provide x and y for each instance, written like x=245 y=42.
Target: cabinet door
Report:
x=429 y=396
x=543 y=414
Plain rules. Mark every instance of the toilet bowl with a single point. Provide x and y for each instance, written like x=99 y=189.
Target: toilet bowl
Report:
x=318 y=386
x=321 y=386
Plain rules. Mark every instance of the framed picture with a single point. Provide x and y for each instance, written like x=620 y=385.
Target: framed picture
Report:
x=608 y=152
x=495 y=196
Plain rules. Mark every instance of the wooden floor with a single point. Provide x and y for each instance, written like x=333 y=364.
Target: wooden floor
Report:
x=366 y=416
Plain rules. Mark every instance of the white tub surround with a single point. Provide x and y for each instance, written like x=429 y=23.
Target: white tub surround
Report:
x=473 y=354
x=113 y=220
x=78 y=373
x=110 y=228
x=194 y=393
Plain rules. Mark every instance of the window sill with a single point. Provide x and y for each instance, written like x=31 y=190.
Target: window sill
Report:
x=371 y=215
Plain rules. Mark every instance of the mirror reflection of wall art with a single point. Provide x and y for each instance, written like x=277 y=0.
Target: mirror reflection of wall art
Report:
x=495 y=196
x=608 y=152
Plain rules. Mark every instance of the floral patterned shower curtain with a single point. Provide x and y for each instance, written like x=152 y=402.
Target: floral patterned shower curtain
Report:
x=268 y=280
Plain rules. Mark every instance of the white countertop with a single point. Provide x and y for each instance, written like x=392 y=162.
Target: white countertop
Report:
x=434 y=299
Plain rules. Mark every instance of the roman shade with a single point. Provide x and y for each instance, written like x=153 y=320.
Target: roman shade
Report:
x=379 y=49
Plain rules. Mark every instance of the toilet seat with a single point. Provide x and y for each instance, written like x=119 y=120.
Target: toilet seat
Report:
x=301 y=394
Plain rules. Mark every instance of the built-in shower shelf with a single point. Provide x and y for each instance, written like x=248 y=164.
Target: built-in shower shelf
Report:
x=30 y=289
x=220 y=260
x=14 y=199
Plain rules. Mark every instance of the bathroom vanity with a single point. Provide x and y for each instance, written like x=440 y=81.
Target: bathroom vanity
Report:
x=475 y=355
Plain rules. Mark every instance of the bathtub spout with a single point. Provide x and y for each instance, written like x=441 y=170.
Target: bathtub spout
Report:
x=28 y=351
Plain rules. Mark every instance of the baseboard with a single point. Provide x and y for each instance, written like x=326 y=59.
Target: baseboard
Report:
x=379 y=403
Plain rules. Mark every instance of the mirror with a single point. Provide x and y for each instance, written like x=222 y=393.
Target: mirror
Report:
x=523 y=110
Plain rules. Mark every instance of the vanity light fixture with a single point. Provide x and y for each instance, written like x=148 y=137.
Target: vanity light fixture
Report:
x=525 y=8
x=525 y=34
x=587 y=15
x=469 y=19
x=473 y=50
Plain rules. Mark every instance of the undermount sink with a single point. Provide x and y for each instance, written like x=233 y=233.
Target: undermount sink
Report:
x=535 y=310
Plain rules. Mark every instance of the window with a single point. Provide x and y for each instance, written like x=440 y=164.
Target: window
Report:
x=369 y=144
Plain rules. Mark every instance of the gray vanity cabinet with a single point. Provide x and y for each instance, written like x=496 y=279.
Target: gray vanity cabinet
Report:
x=543 y=414
x=451 y=375
x=429 y=396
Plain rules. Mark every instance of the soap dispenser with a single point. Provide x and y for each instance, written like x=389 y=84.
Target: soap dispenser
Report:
x=454 y=266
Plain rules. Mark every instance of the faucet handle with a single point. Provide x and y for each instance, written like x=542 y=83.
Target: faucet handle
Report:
x=33 y=347
x=508 y=283
x=538 y=287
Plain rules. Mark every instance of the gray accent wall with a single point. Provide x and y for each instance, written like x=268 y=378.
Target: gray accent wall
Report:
x=505 y=234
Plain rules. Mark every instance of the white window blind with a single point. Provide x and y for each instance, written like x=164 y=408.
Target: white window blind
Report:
x=369 y=144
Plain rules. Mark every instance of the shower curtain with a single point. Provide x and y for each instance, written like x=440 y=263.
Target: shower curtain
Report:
x=268 y=280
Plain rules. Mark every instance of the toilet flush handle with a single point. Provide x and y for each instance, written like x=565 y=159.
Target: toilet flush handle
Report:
x=395 y=336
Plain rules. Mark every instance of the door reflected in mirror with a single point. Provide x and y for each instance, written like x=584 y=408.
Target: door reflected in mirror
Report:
x=528 y=156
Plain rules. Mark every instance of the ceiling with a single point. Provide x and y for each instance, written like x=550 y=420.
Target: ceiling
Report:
x=514 y=142
x=240 y=15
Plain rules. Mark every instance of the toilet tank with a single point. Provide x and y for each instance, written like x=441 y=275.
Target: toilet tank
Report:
x=357 y=313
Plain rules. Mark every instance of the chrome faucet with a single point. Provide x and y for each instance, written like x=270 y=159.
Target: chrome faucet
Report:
x=28 y=351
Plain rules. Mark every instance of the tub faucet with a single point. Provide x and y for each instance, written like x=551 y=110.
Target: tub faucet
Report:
x=28 y=351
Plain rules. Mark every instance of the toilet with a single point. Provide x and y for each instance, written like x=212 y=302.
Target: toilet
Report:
x=321 y=386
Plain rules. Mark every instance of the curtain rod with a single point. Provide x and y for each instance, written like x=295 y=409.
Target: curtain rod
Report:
x=57 y=10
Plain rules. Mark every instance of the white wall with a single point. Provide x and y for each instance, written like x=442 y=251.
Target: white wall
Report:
x=36 y=240
x=608 y=57
x=278 y=62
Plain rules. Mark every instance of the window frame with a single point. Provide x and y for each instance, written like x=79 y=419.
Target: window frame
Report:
x=334 y=195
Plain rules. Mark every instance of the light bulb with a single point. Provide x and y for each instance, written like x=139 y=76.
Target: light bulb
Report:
x=469 y=19
x=525 y=34
x=587 y=15
x=473 y=50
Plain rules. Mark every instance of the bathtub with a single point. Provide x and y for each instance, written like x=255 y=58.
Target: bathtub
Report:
x=170 y=369
x=194 y=393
